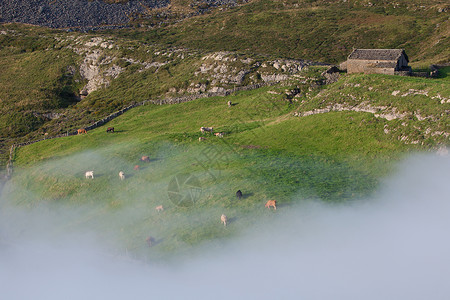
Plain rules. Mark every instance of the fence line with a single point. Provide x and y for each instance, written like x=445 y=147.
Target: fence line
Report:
x=175 y=100
x=9 y=165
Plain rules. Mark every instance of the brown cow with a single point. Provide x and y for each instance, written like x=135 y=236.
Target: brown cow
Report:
x=159 y=208
x=145 y=158
x=81 y=130
x=110 y=129
x=136 y=168
x=272 y=203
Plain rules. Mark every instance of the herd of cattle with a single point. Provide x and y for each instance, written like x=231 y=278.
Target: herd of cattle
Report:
x=90 y=174
x=223 y=218
x=210 y=130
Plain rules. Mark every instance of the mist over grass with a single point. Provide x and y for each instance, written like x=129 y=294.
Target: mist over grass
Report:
x=391 y=246
x=122 y=213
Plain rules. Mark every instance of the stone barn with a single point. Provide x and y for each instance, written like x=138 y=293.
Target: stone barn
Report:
x=378 y=61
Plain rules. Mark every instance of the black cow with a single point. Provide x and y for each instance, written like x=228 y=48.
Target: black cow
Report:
x=239 y=194
x=150 y=241
x=110 y=129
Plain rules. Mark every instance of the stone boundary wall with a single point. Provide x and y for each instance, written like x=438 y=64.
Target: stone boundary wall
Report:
x=9 y=165
x=175 y=100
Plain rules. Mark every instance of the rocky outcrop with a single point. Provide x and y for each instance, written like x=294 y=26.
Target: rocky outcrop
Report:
x=89 y=14
x=378 y=111
x=80 y=14
x=226 y=69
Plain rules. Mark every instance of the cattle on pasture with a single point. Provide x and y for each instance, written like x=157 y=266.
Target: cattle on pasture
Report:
x=145 y=158
x=136 y=168
x=159 y=208
x=239 y=194
x=150 y=240
x=121 y=175
x=201 y=139
x=224 y=219
x=272 y=203
x=81 y=131
x=206 y=129
x=89 y=174
x=219 y=134
x=110 y=129
x=229 y=103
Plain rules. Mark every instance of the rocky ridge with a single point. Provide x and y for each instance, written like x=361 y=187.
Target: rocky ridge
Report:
x=216 y=72
x=410 y=127
x=86 y=14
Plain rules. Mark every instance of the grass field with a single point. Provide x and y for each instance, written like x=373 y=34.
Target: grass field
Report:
x=266 y=152
x=320 y=30
x=41 y=67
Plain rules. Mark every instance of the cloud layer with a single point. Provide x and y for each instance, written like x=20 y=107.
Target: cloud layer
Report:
x=394 y=246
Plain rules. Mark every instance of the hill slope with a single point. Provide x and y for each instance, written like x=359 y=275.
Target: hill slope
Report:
x=320 y=30
x=172 y=52
x=267 y=152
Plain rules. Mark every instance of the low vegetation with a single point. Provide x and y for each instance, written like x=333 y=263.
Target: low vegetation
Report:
x=41 y=77
x=293 y=140
x=319 y=30
x=266 y=152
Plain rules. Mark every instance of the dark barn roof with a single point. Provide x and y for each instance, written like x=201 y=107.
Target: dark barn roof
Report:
x=377 y=54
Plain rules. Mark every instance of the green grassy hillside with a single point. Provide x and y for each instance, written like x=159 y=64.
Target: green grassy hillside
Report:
x=331 y=142
x=266 y=152
x=319 y=30
x=161 y=56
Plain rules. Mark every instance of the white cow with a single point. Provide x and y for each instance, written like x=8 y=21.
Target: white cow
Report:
x=89 y=174
x=121 y=175
x=224 y=219
x=206 y=129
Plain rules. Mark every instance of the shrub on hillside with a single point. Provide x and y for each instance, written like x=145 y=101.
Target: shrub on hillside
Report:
x=18 y=124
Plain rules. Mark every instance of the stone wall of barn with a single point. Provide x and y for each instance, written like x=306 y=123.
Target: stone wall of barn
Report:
x=367 y=67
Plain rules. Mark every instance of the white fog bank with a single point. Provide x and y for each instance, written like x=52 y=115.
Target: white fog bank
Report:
x=394 y=246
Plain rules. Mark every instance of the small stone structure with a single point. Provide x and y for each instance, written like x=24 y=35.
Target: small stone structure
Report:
x=331 y=75
x=378 y=61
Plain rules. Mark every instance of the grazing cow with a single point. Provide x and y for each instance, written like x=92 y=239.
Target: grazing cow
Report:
x=224 y=219
x=201 y=139
x=159 y=208
x=121 y=175
x=136 y=168
x=206 y=129
x=239 y=194
x=150 y=240
x=272 y=203
x=81 y=131
x=145 y=158
x=219 y=134
x=89 y=174
x=229 y=103
x=110 y=129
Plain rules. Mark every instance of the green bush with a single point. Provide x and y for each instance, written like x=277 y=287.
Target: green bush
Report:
x=18 y=124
